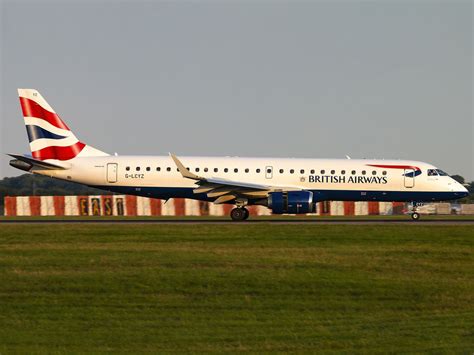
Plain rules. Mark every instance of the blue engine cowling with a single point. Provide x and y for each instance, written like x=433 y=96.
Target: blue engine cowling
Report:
x=292 y=202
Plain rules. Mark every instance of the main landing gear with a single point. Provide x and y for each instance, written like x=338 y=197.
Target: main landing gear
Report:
x=239 y=214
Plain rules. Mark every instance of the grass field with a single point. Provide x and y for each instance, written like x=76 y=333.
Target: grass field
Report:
x=226 y=288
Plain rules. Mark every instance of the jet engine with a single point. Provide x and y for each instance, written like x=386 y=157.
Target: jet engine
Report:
x=291 y=202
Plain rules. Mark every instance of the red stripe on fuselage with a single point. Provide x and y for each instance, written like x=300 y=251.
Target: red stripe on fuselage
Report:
x=32 y=109
x=395 y=166
x=59 y=153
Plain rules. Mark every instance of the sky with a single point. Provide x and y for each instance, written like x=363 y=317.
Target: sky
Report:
x=313 y=79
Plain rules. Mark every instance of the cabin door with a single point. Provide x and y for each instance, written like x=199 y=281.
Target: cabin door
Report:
x=269 y=172
x=409 y=178
x=112 y=172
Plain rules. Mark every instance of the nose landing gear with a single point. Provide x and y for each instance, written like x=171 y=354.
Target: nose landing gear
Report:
x=415 y=215
x=239 y=214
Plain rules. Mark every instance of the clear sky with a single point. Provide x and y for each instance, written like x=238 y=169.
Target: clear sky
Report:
x=374 y=79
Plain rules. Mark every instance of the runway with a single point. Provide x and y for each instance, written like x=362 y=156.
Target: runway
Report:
x=437 y=222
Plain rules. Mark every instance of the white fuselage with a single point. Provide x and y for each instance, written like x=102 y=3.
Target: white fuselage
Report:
x=329 y=179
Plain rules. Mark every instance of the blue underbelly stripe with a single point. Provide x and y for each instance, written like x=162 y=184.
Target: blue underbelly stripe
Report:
x=318 y=195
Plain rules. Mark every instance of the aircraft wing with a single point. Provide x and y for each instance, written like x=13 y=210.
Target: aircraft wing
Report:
x=227 y=190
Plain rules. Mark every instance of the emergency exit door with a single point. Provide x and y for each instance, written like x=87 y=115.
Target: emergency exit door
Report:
x=112 y=172
x=409 y=178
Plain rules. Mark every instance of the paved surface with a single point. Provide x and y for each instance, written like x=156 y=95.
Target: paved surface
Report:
x=258 y=221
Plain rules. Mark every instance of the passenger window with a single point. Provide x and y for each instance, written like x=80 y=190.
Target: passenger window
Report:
x=197 y=170
x=258 y=170
x=302 y=171
x=343 y=172
x=158 y=168
x=333 y=172
x=127 y=168
x=312 y=171
x=323 y=171
x=138 y=168
x=363 y=172
x=216 y=170
x=236 y=170
x=281 y=171
x=269 y=171
x=353 y=172
x=384 y=172
x=374 y=172
x=226 y=170
x=206 y=170
x=247 y=170
x=168 y=169
x=148 y=168
x=292 y=171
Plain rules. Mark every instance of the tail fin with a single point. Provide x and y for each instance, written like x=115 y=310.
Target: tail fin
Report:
x=50 y=137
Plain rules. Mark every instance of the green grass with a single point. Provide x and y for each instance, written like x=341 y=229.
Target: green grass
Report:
x=226 y=288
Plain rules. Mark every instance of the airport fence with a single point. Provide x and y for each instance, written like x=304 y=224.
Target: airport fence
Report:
x=125 y=205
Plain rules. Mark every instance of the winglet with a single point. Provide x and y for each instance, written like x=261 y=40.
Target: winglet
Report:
x=184 y=172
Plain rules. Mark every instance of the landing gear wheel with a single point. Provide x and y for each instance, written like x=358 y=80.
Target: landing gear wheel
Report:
x=239 y=214
x=247 y=213
x=415 y=216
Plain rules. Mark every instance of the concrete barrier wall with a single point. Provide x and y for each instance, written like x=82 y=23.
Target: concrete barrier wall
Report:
x=443 y=208
x=467 y=209
x=121 y=205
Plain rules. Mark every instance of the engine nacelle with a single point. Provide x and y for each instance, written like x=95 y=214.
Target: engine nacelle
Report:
x=291 y=202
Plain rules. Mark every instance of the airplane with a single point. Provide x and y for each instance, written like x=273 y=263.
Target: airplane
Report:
x=284 y=185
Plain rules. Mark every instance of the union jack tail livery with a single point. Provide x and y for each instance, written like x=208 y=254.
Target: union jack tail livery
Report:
x=50 y=138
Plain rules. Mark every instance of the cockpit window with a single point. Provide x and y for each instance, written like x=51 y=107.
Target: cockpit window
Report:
x=441 y=172
x=432 y=172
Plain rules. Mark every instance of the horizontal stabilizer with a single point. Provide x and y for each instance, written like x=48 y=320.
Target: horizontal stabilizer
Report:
x=27 y=163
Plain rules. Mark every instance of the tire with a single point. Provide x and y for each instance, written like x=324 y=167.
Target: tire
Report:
x=238 y=214
x=247 y=213
x=415 y=216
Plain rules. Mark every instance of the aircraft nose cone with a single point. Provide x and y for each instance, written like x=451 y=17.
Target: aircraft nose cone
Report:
x=463 y=191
